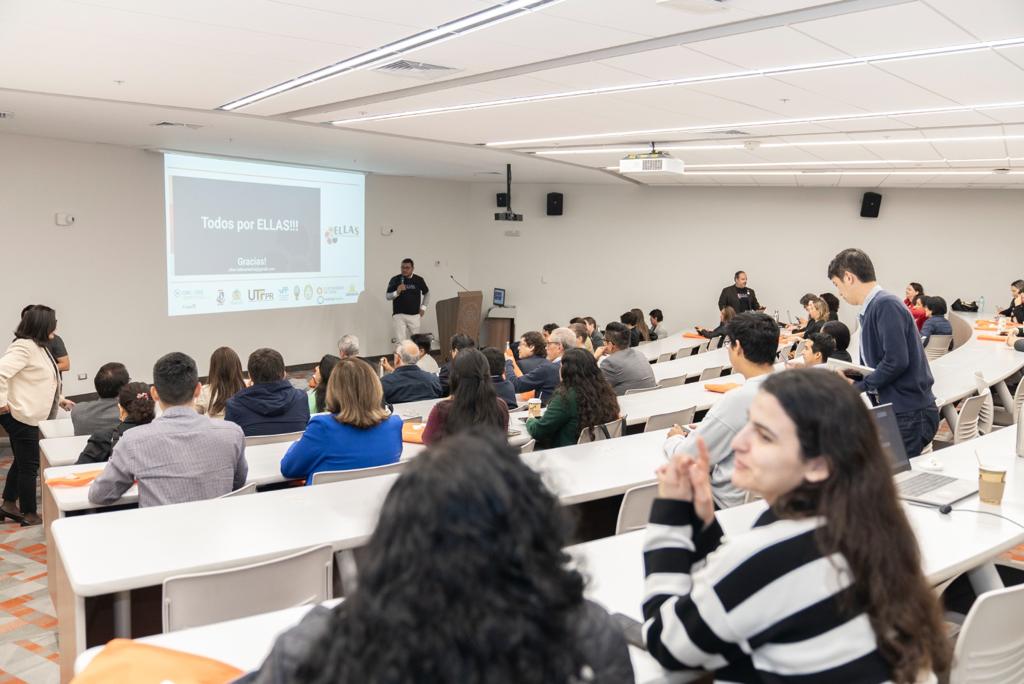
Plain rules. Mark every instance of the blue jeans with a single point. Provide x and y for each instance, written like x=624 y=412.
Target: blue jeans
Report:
x=917 y=428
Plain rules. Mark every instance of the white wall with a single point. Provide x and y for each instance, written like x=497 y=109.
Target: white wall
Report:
x=675 y=248
x=106 y=275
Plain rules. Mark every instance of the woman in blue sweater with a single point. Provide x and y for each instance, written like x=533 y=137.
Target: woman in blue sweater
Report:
x=355 y=433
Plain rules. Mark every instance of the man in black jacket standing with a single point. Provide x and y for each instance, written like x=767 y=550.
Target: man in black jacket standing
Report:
x=740 y=297
x=409 y=297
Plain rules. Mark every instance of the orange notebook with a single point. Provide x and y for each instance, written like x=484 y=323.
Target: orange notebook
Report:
x=124 y=660
x=693 y=336
x=992 y=338
x=721 y=387
x=413 y=432
x=79 y=479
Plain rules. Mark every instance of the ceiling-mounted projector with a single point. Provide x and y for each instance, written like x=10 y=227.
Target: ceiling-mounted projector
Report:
x=508 y=214
x=653 y=164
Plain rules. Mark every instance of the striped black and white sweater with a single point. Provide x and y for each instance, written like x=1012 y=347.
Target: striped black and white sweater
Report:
x=762 y=606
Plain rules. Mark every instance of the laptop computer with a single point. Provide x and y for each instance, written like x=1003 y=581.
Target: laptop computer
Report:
x=926 y=488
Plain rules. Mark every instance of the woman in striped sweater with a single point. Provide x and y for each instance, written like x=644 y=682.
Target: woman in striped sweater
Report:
x=827 y=585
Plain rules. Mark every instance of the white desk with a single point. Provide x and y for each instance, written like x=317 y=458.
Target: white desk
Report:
x=639 y=407
x=58 y=427
x=668 y=345
x=691 y=366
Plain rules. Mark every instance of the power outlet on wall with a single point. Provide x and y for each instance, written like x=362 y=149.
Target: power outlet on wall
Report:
x=83 y=376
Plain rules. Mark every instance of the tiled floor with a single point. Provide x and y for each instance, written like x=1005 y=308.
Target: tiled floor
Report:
x=28 y=626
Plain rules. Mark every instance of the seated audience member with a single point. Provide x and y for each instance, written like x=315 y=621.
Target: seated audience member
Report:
x=724 y=316
x=135 y=407
x=596 y=338
x=583 y=401
x=513 y=608
x=424 y=341
x=582 y=338
x=838 y=331
x=1016 y=308
x=818 y=349
x=473 y=402
x=754 y=339
x=625 y=368
x=317 y=393
x=532 y=352
x=913 y=291
x=549 y=328
x=641 y=325
x=817 y=312
x=356 y=432
x=833 y=305
x=936 y=323
x=502 y=386
x=348 y=348
x=271 y=406
x=544 y=378
x=225 y=381
x=628 y=319
x=180 y=456
x=88 y=417
x=801 y=325
x=456 y=344
x=809 y=566
x=657 y=331
x=409 y=382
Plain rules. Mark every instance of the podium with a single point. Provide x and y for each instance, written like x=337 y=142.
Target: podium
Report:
x=499 y=326
x=458 y=316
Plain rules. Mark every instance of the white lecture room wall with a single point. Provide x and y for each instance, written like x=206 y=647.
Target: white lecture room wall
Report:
x=106 y=274
x=618 y=247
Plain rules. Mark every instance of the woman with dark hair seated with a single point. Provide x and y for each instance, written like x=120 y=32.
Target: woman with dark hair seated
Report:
x=318 y=383
x=833 y=305
x=827 y=586
x=583 y=400
x=724 y=316
x=913 y=291
x=936 y=323
x=464 y=580
x=473 y=402
x=135 y=407
x=838 y=331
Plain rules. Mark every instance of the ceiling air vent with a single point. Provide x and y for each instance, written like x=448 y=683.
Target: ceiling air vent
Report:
x=417 y=70
x=176 y=124
x=731 y=131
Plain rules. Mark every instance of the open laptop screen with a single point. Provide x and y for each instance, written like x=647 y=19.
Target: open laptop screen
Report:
x=889 y=435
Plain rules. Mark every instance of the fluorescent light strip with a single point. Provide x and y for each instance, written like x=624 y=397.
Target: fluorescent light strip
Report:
x=458 y=27
x=879 y=172
x=693 y=80
x=762 y=124
x=554 y=152
x=854 y=162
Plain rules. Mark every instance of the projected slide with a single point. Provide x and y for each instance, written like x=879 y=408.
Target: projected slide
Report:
x=244 y=236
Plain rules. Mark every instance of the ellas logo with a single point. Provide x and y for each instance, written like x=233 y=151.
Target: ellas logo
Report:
x=334 y=233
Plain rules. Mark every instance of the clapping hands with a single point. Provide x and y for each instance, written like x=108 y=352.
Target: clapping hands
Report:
x=687 y=479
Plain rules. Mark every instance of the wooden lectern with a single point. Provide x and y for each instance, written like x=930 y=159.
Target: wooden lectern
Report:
x=459 y=316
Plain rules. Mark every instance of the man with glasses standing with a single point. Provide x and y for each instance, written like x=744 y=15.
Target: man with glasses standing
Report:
x=409 y=297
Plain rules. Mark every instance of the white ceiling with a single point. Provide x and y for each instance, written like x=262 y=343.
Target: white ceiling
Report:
x=106 y=70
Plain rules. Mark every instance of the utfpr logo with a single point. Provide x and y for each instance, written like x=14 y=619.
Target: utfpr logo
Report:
x=261 y=295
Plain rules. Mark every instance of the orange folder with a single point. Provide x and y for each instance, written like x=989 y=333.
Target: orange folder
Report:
x=413 y=432
x=124 y=660
x=721 y=387
x=693 y=336
x=992 y=338
x=80 y=479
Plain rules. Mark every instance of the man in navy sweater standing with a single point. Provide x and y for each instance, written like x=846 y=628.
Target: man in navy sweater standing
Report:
x=889 y=343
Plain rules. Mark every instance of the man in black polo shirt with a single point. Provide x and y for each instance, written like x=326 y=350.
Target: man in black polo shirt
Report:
x=409 y=296
x=740 y=297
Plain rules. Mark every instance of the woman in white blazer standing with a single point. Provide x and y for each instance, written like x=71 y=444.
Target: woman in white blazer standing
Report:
x=29 y=389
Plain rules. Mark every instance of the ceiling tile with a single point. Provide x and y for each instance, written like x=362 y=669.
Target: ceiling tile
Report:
x=898 y=28
x=985 y=19
x=866 y=87
x=670 y=63
x=768 y=48
x=970 y=78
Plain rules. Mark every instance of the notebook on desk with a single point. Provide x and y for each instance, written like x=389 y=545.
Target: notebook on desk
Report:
x=927 y=488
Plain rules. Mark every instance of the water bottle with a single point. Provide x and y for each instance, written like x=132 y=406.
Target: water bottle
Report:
x=981 y=304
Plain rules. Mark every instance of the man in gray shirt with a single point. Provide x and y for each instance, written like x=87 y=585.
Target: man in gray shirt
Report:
x=88 y=417
x=181 y=456
x=754 y=343
x=623 y=366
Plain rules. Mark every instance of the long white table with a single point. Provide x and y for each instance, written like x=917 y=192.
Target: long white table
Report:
x=117 y=551
x=639 y=407
x=691 y=366
x=58 y=427
x=668 y=345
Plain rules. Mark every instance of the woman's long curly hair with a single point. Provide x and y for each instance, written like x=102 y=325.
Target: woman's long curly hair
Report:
x=464 y=579
x=865 y=522
x=596 y=403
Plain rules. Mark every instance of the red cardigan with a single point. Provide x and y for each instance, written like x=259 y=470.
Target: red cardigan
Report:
x=920 y=315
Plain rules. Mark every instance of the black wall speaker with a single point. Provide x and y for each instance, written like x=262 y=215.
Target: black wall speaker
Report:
x=870 y=205
x=555 y=205
x=502 y=199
